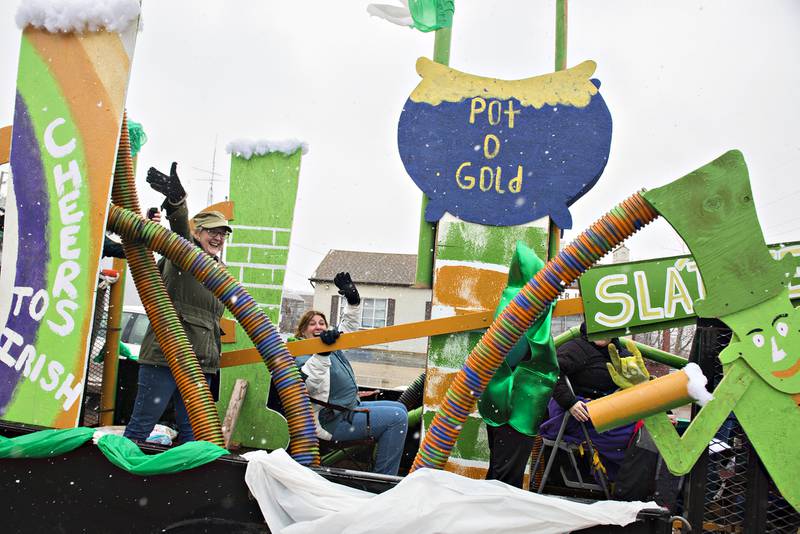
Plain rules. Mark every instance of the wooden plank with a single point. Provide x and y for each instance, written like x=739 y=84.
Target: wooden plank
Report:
x=568 y=307
x=225 y=207
x=446 y=325
x=459 y=323
x=5 y=144
x=234 y=407
x=228 y=327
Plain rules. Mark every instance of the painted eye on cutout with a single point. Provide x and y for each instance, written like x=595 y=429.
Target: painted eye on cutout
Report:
x=782 y=329
x=758 y=340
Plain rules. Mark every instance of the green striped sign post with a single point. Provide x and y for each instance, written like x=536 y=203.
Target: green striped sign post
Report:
x=470 y=271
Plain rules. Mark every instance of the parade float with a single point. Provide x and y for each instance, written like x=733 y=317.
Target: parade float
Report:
x=500 y=162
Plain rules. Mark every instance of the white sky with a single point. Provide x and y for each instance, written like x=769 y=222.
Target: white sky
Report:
x=685 y=81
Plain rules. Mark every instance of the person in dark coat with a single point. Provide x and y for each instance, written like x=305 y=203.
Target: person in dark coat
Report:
x=197 y=307
x=584 y=363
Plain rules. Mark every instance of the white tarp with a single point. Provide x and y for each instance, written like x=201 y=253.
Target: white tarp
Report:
x=296 y=500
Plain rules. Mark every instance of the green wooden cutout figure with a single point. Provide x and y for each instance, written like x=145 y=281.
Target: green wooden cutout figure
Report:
x=712 y=210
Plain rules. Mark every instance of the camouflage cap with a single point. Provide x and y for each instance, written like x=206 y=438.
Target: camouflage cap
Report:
x=211 y=219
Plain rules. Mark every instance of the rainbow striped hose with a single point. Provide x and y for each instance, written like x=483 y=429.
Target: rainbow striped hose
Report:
x=303 y=445
x=167 y=327
x=613 y=228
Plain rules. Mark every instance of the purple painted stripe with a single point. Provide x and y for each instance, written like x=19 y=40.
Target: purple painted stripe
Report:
x=33 y=253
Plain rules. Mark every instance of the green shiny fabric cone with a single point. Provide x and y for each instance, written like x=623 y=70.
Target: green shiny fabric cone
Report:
x=518 y=397
x=126 y=455
x=45 y=443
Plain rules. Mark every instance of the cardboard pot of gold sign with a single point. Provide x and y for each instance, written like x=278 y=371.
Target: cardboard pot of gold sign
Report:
x=503 y=153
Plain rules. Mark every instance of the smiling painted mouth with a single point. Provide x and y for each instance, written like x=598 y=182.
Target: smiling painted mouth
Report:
x=788 y=373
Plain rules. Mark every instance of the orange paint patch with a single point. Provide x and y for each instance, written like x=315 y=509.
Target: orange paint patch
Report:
x=111 y=66
x=469 y=471
x=437 y=382
x=468 y=288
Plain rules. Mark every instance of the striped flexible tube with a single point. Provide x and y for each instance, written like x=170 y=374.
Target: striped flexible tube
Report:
x=535 y=297
x=168 y=329
x=303 y=445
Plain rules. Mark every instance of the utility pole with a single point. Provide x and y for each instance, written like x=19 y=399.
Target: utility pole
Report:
x=212 y=173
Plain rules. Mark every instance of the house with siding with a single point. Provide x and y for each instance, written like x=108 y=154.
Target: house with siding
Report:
x=386 y=285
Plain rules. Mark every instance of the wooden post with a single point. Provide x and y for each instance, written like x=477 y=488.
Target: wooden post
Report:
x=234 y=407
x=665 y=340
x=108 y=395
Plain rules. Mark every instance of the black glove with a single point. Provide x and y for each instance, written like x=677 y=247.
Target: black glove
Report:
x=347 y=288
x=169 y=186
x=329 y=337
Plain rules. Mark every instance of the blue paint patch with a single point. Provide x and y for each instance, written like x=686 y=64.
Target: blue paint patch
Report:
x=496 y=162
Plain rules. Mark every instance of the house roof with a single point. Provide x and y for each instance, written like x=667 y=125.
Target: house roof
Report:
x=368 y=267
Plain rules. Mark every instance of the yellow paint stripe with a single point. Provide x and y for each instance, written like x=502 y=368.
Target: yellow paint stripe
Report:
x=441 y=83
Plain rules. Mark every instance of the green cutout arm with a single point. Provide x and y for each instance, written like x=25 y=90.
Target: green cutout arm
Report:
x=681 y=452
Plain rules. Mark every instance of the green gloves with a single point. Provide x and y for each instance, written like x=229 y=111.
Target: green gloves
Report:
x=627 y=371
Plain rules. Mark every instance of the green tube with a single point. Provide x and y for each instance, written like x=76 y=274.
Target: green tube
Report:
x=651 y=353
x=427 y=231
x=660 y=356
x=567 y=335
x=414 y=416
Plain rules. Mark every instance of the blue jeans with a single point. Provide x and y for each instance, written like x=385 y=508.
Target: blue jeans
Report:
x=389 y=423
x=156 y=387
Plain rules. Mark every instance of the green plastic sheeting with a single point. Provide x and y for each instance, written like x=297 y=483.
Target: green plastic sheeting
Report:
x=124 y=352
x=124 y=453
x=44 y=443
x=518 y=393
x=137 y=135
x=120 y=451
x=430 y=15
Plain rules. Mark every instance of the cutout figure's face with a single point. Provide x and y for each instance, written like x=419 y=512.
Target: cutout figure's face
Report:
x=769 y=341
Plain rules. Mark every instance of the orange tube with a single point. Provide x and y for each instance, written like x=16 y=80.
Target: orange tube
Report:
x=632 y=404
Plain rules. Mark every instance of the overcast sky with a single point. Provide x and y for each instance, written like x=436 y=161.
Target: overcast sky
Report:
x=684 y=81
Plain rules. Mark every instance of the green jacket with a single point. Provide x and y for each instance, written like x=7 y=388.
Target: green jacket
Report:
x=518 y=393
x=198 y=309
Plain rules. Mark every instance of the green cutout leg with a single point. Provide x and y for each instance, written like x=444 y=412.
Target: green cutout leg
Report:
x=681 y=452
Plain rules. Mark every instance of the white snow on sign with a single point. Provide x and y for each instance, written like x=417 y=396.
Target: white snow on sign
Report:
x=78 y=15
x=246 y=148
